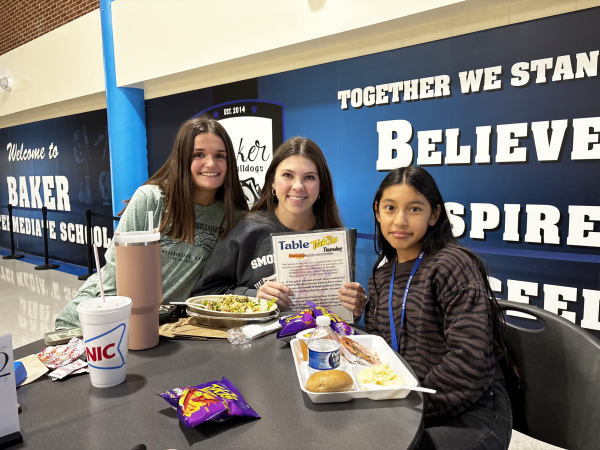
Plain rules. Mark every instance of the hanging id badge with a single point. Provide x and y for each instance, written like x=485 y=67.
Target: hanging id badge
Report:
x=395 y=342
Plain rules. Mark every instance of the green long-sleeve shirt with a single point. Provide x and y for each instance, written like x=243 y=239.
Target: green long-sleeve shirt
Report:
x=182 y=263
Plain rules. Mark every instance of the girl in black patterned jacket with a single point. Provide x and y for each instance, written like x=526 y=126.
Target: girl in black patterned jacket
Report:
x=450 y=328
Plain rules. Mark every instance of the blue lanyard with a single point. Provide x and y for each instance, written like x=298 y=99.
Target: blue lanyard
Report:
x=395 y=342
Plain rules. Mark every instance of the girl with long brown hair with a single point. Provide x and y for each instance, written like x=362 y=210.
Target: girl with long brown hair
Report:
x=297 y=196
x=196 y=198
x=430 y=299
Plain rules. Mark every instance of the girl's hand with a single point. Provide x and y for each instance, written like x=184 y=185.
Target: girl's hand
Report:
x=353 y=297
x=279 y=291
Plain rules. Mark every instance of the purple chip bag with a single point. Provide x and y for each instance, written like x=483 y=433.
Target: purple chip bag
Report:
x=293 y=325
x=337 y=323
x=172 y=396
x=215 y=400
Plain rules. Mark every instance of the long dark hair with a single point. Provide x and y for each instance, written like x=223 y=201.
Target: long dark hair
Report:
x=175 y=180
x=437 y=237
x=325 y=208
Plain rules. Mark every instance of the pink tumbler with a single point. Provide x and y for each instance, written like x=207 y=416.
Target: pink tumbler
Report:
x=139 y=277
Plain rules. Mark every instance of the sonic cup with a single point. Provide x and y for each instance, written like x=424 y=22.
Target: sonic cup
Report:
x=105 y=327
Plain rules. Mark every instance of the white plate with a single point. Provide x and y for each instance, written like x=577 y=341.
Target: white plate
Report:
x=386 y=355
x=194 y=304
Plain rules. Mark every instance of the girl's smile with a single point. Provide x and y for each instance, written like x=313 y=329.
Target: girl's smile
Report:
x=404 y=216
x=209 y=166
x=296 y=186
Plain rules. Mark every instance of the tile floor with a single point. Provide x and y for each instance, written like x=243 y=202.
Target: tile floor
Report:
x=521 y=441
x=30 y=300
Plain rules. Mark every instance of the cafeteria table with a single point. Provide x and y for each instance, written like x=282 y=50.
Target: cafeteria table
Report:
x=72 y=414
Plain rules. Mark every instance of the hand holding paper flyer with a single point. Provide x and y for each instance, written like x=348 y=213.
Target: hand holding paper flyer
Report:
x=314 y=265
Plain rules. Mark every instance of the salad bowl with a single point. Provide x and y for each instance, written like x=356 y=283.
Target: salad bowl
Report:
x=212 y=305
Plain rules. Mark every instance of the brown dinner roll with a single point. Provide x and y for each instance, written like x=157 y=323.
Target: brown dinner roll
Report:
x=329 y=381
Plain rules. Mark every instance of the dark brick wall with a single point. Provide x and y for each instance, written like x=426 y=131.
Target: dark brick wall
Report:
x=22 y=21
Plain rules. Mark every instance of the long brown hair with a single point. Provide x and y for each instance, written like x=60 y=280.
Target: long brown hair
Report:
x=325 y=208
x=175 y=180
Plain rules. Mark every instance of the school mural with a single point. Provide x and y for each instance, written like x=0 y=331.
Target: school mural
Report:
x=64 y=165
x=509 y=131
x=506 y=120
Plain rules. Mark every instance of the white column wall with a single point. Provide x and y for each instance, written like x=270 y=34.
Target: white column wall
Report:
x=182 y=45
x=155 y=40
x=55 y=74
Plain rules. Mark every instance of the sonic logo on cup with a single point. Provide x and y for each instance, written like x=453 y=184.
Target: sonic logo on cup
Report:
x=105 y=350
x=97 y=352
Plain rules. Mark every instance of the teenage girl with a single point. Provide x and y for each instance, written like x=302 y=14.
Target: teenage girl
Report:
x=195 y=197
x=297 y=196
x=432 y=302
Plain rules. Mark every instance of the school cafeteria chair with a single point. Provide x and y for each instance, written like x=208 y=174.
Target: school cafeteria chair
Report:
x=556 y=400
x=352 y=241
x=352 y=247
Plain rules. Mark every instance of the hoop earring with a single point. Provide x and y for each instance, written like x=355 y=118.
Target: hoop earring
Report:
x=273 y=192
x=319 y=197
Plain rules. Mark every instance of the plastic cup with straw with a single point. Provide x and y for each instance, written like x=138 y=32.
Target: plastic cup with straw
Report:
x=105 y=325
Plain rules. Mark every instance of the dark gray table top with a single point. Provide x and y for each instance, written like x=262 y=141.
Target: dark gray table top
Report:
x=73 y=414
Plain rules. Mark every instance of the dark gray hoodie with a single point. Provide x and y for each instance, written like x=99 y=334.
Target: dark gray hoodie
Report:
x=239 y=263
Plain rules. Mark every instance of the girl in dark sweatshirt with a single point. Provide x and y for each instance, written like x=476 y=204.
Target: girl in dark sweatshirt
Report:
x=432 y=302
x=297 y=196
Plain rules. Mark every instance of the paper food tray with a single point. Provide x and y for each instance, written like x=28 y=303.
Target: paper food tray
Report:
x=386 y=355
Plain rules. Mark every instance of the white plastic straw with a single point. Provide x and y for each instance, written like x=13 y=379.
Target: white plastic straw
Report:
x=150 y=222
x=99 y=273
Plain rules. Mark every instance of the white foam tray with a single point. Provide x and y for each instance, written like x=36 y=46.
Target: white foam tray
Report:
x=386 y=355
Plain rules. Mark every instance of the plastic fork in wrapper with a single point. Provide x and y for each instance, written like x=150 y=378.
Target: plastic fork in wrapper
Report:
x=247 y=333
x=237 y=337
x=358 y=354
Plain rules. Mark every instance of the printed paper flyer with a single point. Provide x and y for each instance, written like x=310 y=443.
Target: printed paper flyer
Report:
x=314 y=265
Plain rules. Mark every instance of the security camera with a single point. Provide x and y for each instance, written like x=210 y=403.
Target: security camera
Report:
x=6 y=83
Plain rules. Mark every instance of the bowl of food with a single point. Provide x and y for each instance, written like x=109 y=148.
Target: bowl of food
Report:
x=231 y=305
x=165 y=312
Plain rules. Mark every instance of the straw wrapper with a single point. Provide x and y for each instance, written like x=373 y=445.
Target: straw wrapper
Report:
x=75 y=367
x=60 y=355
